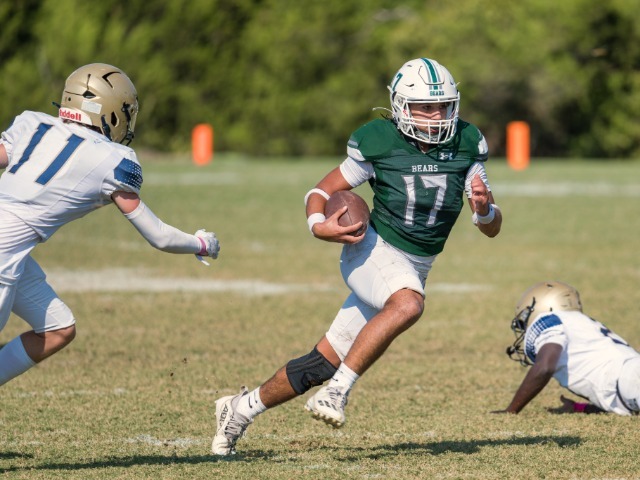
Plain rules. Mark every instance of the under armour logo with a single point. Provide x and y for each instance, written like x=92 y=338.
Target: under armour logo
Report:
x=446 y=156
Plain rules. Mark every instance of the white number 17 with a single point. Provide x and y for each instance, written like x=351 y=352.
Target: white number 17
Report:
x=439 y=182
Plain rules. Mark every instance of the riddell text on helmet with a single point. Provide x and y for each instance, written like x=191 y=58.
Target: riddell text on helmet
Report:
x=70 y=115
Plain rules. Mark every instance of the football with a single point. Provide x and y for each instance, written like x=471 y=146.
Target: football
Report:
x=357 y=210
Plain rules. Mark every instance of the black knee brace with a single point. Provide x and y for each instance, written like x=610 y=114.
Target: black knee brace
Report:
x=309 y=371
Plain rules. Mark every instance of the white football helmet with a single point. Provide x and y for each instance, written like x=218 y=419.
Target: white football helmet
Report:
x=424 y=81
x=103 y=97
x=541 y=298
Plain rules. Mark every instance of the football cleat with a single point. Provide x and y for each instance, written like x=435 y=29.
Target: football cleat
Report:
x=328 y=405
x=231 y=425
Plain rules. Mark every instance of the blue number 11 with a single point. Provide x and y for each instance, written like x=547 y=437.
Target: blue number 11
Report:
x=72 y=144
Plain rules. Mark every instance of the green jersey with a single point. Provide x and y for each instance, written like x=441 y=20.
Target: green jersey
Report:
x=417 y=196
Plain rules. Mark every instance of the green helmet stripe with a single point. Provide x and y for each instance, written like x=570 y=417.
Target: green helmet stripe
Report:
x=433 y=73
x=398 y=77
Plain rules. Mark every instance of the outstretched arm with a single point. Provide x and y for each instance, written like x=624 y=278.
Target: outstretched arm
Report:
x=537 y=377
x=160 y=235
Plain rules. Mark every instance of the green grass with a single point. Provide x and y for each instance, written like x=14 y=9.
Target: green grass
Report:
x=133 y=396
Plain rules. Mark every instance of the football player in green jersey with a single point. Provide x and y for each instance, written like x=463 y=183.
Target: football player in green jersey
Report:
x=420 y=163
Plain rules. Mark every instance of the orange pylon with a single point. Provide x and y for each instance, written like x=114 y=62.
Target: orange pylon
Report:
x=202 y=144
x=518 y=145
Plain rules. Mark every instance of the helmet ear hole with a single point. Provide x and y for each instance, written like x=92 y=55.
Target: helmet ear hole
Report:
x=114 y=119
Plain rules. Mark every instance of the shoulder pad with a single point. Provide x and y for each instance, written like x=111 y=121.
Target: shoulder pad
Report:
x=471 y=139
x=377 y=139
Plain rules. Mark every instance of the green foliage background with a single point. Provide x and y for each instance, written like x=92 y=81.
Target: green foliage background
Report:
x=296 y=77
x=133 y=397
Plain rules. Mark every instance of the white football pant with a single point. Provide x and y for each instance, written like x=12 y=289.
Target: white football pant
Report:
x=629 y=384
x=33 y=299
x=373 y=270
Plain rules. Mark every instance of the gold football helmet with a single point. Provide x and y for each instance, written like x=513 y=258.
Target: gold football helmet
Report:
x=542 y=297
x=103 y=97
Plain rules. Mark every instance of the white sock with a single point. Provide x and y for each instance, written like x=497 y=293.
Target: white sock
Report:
x=250 y=405
x=14 y=360
x=344 y=378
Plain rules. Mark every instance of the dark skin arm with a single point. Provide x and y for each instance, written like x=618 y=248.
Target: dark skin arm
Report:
x=536 y=379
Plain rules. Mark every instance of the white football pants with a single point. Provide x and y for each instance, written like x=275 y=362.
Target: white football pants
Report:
x=629 y=384
x=33 y=300
x=373 y=270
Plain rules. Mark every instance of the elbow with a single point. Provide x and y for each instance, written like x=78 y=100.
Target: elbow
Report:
x=545 y=373
x=542 y=373
x=493 y=233
x=158 y=244
x=494 y=227
x=490 y=230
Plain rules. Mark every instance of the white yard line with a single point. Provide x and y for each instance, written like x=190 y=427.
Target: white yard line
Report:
x=131 y=280
x=565 y=189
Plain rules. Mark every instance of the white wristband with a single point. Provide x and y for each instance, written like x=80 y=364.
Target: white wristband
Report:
x=318 y=191
x=315 y=218
x=488 y=218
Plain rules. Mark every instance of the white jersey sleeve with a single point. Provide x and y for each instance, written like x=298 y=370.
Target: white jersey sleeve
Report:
x=476 y=169
x=546 y=329
x=59 y=171
x=356 y=172
x=125 y=177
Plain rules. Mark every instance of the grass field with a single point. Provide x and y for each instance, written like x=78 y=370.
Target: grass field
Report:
x=160 y=337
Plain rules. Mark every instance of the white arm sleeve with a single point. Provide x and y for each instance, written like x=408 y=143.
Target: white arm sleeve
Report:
x=160 y=235
x=356 y=172
x=475 y=169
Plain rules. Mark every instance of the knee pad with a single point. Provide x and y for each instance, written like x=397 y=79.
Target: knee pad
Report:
x=308 y=371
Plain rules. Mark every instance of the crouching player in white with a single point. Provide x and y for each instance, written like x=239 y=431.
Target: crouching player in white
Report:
x=58 y=170
x=557 y=340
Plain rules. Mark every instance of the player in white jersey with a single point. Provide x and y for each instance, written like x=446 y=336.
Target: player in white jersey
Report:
x=58 y=169
x=558 y=340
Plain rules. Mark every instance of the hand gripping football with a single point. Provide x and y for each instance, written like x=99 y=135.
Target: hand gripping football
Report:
x=357 y=210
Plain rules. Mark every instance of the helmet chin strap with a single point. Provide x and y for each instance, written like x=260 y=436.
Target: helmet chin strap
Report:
x=128 y=137
x=106 y=129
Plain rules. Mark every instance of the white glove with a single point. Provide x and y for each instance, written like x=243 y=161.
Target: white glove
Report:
x=211 y=246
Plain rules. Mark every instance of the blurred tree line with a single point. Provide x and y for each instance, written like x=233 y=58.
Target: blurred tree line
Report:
x=296 y=77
